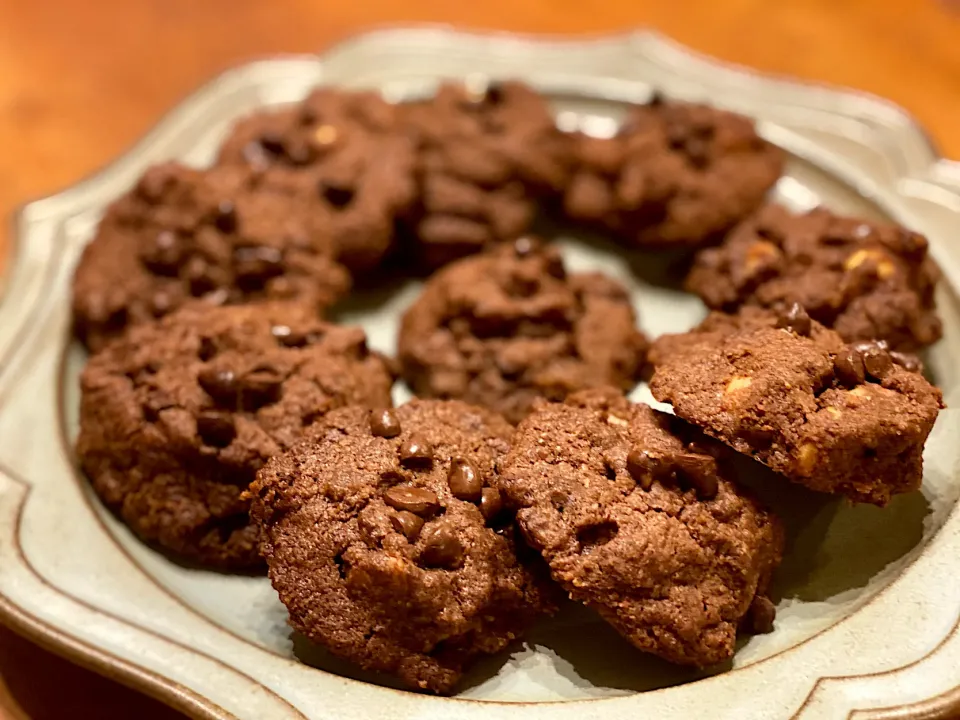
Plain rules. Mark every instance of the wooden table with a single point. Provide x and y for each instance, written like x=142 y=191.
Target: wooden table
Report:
x=79 y=82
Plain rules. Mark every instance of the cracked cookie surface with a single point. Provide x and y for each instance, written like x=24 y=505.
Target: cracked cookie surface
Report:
x=638 y=520
x=675 y=175
x=866 y=280
x=177 y=417
x=849 y=419
x=388 y=542
x=510 y=326
x=183 y=235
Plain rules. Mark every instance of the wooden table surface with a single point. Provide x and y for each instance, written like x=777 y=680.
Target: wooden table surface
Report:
x=80 y=81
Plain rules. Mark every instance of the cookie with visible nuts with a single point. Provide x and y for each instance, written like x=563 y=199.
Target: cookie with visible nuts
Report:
x=211 y=235
x=487 y=154
x=177 y=417
x=676 y=175
x=638 y=519
x=844 y=419
x=510 y=326
x=866 y=280
x=342 y=155
x=393 y=549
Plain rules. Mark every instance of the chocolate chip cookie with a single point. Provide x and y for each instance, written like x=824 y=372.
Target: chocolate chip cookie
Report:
x=183 y=234
x=637 y=519
x=849 y=419
x=487 y=154
x=718 y=325
x=177 y=417
x=509 y=326
x=389 y=544
x=341 y=154
x=866 y=280
x=676 y=175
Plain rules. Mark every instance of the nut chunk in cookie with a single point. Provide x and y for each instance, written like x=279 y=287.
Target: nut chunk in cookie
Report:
x=845 y=419
x=639 y=522
x=183 y=234
x=389 y=544
x=866 y=280
x=177 y=417
x=510 y=326
x=487 y=154
x=676 y=175
x=338 y=154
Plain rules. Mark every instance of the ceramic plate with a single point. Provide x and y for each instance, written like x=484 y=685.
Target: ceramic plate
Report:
x=868 y=599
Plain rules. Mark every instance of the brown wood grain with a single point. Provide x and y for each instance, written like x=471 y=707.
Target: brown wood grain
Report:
x=80 y=81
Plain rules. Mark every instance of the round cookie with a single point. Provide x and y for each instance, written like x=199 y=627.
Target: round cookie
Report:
x=177 y=417
x=676 y=175
x=342 y=154
x=510 y=326
x=487 y=155
x=637 y=519
x=183 y=234
x=866 y=280
x=388 y=544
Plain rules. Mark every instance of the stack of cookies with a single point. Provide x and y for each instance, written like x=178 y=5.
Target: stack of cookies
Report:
x=227 y=422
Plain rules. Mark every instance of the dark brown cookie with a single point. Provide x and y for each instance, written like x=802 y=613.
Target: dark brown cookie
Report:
x=866 y=280
x=389 y=545
x=486 y=156
x=676 y=174
x=183 y=234
x=341 y=154
x=638 y=521
x=718 y=325
x=848 y=419
x=510 y=326
x=177 y=417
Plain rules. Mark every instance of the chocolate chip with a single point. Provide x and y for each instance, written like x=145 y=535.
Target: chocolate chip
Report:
x=287 y=337
x=220 y=384
x=272 y=142
x=877 y=361
x=795 y=319
x=257 y=264
x=656 y=98
x=848 y=367
x=225 y=217
x=198 y=276
x=216 y=429
x=406 y=523
x=526 y=245
x=491 y=503
x=416 y=452
x=162 y=255
x=339 y=196
x=384 y=423
x=761 y=615
x=465 y=481
x=441 y=547
x=418 y=501
x=207 y=349
x=908 y=361
x=555 y=266
x=645 y=467
x=700 y=471
x=261 y=386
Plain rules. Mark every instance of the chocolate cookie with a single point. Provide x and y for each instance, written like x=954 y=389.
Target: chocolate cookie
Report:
x=866 y=280
x=848 y=419
x=510 y=326
x=177 y=417
x=342 y=155
x=638 y=520
x=389 y=545
x=676 y=174
x=718 y=325
x=184 y=234
x=486 y=156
